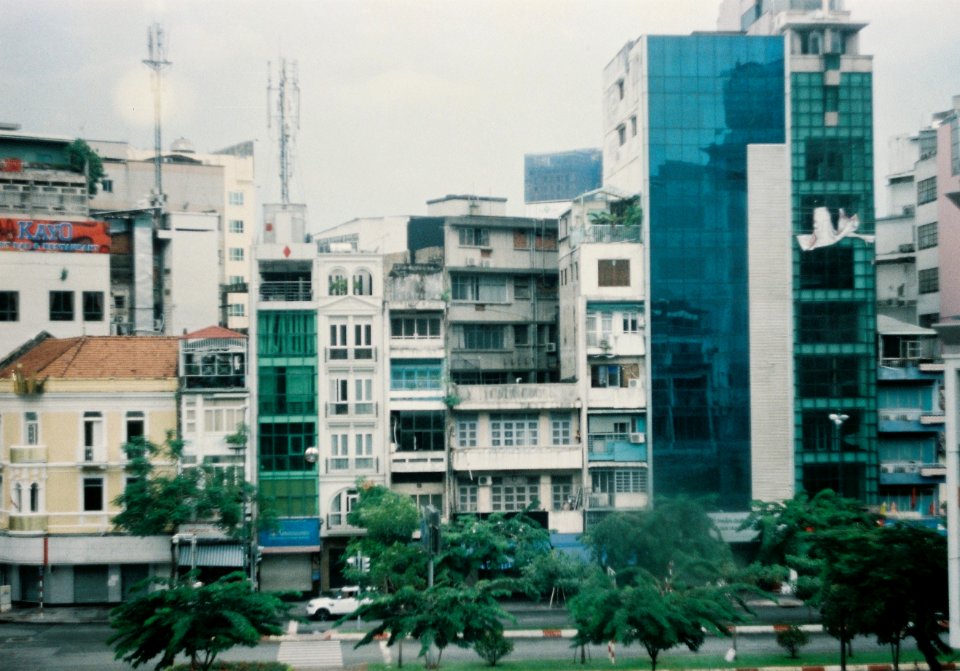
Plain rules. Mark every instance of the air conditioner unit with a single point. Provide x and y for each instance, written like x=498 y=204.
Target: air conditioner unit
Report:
x=484 y=481
x=637 y=438
x=551 y=347
x=635 y=383
x=471 y=262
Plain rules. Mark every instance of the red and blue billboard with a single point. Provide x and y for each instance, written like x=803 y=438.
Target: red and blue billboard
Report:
x=40 y=235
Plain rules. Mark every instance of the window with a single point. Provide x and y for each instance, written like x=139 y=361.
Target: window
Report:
x=18 y=497
x=416 y=431
x=561 y=492
x=363 y=395
x=362 y=283
x=633 y=126
x=613 y=272
x=621 y=134
x=135 y=425
x=282 y=445
x=479 y=288
x=474 y=237
x=481 y=337
x=236 y=226
x=236 y=281
x=286 y=390
x=927 y=236
x=926 y=190
x=31 y=428
x=521 y=239
x=467 y=431
x=514 y=430
x=34 y=498
x=614 y=375
x=415 y=327
x=521 y=288
x=222 y=415
x=415 y=375
x=92 y=436
x=236 y=197
x=516 y=493
x=61 y=306
x=521 y=334
x=467 y=498
x=92 y=494
x=631 y=322
x=620 y=481
x=93 y=306
x=424 y=500
x=337 y=283
x=340 y=507
x=620 y=89
x=560 y=429
x=236 y=310
x=929 y=281
x=9 y=306
x=928 y=319
x=236 y=253
x=599 y=329
x=106 y=185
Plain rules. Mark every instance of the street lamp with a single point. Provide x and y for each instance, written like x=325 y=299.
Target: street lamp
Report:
x=311 y=454
x=838 y=419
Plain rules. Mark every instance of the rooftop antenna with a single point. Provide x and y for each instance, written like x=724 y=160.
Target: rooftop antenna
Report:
x=157 y=61
x=286 y=95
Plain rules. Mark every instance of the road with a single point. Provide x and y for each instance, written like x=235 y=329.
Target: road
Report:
x=84 y=648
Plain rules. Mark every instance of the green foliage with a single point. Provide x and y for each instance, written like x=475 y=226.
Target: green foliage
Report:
x=791 y=638
x=387 y=516
x=436 y=617
x=624 y=213
x=492 y=646
x=676 y=539
x=197 y=621
x=554 y=574
x=239 y=666
x=497 y=545
x=85 y=160
x=158 y=499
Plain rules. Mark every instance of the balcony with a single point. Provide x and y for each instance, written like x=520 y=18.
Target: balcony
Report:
x=907 y=421
x=343 y=409
x=288 y=291
x=617 y=447
x=31 y=522
x=495 y=397
x=350 y=354
x=342 y=465
x=912 y=473
x=629 y=397
x=614 y=501
x=28 y=454
x=427 y=461
x=293 y=404
x=532 y=458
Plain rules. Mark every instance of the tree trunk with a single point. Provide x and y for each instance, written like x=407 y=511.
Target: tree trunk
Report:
x=929 y=653
x=653 y=661
x=400 y=653
x=843 y=649
x=895 y=654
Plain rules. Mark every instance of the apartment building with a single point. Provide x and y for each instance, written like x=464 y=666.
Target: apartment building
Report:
x=67 y=406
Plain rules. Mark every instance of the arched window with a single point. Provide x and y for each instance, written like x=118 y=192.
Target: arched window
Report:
x=34 y=498
x=338 y=283
x=340 y=506
x=362 y=282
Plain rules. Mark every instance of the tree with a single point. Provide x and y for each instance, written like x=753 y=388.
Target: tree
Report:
x=436 y=617
x=498 y=545
x=85 y=160
x=159 y=497
x=197 y=621
x=791 y=638
x=493 y=646
x=555 y=573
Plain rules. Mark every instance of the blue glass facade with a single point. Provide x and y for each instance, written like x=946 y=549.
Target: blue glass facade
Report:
x=709 y=96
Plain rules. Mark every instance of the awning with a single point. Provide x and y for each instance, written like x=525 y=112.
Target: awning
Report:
x=221 y=554
x=890 y=326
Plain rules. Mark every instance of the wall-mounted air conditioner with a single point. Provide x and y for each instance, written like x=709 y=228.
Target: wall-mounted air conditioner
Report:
x=484 y=481
x=638 y=438
x=635 y=383
x=471 y=262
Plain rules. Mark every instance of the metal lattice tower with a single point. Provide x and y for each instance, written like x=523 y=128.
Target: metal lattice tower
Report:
x=157 y=61
x=286 y=96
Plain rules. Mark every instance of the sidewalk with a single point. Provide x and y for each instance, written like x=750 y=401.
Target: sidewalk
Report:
x=57 y=615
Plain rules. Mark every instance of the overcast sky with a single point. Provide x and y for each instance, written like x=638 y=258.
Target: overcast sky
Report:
x=401 y=100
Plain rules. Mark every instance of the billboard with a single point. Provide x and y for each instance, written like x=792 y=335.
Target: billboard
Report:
x=39 y=235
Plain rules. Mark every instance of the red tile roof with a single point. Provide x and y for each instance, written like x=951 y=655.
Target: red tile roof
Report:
x=212 y=332
x=92 y=357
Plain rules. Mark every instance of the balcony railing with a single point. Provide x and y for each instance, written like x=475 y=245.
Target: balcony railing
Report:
x=353 y=464
x=28 y=454
x=286 y=291
x=364 y=408
x=617 y=447
x=306 y=405
x=350 y=354
x=29 y=522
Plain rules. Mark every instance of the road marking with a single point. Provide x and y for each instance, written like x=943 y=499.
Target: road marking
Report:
x=304 y=655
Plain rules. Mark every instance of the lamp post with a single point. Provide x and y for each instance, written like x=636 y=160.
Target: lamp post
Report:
x=838 y=419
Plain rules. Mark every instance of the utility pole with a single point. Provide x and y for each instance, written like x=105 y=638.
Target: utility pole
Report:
x=287 y=119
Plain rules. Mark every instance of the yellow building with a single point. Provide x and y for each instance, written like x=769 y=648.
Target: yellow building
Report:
x=67 y=405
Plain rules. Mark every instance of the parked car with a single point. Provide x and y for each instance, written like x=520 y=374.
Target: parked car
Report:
x=336 y=603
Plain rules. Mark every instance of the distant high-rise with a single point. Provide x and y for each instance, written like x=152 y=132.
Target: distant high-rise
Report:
x=551 y=181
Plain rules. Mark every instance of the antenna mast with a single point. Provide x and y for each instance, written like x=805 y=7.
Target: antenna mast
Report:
x=287 y=115
x=157 y=61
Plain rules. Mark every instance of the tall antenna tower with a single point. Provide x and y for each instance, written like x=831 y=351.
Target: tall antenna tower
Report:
x=286 y=96
x=157 y=48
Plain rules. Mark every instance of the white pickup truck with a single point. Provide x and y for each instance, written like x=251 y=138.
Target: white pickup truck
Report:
x=336 y=603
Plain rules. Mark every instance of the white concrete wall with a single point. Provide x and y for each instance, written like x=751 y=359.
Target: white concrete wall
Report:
x=194 y=300
x=771 y=322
